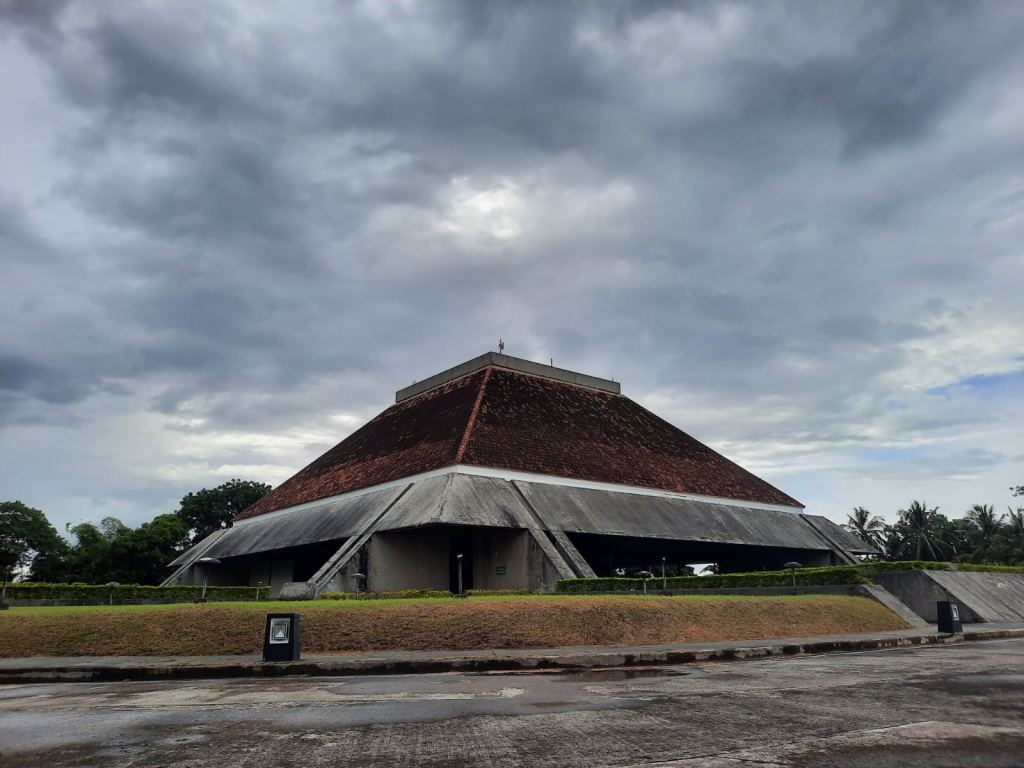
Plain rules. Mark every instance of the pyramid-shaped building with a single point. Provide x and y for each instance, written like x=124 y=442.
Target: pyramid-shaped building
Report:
x=523 y=473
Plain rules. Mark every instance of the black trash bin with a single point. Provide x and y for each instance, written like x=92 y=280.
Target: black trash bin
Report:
x=949 y=617
x=282 y=640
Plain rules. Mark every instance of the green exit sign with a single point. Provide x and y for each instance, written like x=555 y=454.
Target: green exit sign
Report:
x=501 y=570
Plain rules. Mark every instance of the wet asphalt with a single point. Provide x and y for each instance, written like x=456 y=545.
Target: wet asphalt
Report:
x=956 y=705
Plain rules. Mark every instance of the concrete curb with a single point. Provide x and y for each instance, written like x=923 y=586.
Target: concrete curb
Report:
x=454 y=663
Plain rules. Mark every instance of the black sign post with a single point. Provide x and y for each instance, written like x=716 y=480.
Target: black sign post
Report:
x=949 y=617
x=282 y=640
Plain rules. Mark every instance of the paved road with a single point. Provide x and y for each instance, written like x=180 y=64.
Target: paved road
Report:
x=960 y=705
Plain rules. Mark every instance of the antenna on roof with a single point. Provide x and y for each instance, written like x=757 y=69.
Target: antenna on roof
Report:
x=501 y=347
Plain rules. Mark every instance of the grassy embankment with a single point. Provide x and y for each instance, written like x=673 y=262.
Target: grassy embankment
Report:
x=526 y=621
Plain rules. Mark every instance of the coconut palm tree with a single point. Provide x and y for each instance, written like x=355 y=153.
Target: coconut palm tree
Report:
x=867 y=527
x=1015 y=523
x=1014 y=532
x=893 y=545
x=986 y=525
x=922 y=530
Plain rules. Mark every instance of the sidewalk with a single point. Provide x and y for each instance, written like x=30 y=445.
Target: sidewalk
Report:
x=114 y=668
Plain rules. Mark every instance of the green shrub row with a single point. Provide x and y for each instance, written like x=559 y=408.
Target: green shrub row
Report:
x=23 y=590
x=904 y=565
x=418 y=593
x=837 y=575
x=99 y=593
x=931 y=565
x=994 y=568
x=834 y=575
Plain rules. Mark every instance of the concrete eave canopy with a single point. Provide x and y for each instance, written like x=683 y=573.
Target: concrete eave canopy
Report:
x=473 y=500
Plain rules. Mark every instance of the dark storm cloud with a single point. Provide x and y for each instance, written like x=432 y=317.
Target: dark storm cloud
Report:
x=893 y=85
x=257 y=215
x=33 y=379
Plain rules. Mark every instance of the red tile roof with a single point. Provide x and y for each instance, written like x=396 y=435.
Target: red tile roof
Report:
x=505 y=419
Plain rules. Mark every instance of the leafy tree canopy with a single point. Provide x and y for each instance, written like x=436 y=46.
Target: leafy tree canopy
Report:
x=210 y=509
x=25 y=533
x=111 y=551
x=141 y=555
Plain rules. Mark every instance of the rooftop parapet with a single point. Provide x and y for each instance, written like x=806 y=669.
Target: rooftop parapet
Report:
x=513 y=363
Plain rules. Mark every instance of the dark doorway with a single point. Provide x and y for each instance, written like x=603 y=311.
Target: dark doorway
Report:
x=461 y=543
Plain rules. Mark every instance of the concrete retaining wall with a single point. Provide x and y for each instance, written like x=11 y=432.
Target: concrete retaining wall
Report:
x=991 y=596
x=920 y=593
x=983 y=596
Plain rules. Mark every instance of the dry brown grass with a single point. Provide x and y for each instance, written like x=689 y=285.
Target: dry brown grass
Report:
x=439 y=625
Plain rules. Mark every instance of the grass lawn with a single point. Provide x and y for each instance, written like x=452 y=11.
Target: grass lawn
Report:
x=507 y=621
x=271 y=606
x=296 y=606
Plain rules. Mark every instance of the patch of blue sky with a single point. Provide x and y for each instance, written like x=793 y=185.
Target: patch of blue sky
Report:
x=997 y=385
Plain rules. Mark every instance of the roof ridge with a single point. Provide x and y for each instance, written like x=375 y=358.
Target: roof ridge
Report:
x=472 y=415
x=560 y=382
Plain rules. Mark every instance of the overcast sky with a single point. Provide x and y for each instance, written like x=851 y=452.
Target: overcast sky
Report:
x=230 y=231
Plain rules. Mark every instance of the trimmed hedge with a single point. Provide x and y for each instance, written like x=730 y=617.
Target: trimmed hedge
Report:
x=405 y=594
x=903 y=565
x=836 y=575
x=993 y=568
x=26 y=590
x=931 y=565
x=826 y=576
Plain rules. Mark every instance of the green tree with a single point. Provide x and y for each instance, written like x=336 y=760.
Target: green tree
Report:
x=867 y=527
x=141 y=555
x=958 y=538
x=1015 y=523
x=921 y=530
x=112 y=551
x=88 y=558
x=1008 y=545
x=24 y=534
x=892 y=543
x=986 y=532
x=208 y=510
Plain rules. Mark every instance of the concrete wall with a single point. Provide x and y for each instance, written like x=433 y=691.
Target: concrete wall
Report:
x=919 y=592
x=407 y=560
x=238 y=571
x=990 y=595
x=541 y=571
x=499 y=560
x=276 y=573
x=226 y=574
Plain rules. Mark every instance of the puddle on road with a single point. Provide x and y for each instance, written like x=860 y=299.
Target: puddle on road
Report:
x=615 y=674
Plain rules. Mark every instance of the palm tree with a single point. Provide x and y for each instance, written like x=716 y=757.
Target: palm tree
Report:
x=922 y=530
x=867 y=527
x=986 y=524
x=893 y=545
x=1015 y=525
